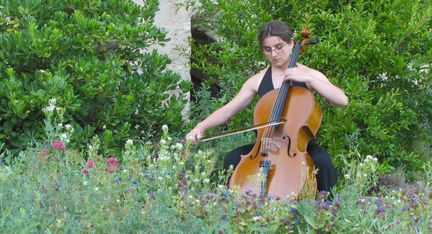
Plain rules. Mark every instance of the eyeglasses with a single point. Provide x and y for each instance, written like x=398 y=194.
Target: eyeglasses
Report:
x=277 y=49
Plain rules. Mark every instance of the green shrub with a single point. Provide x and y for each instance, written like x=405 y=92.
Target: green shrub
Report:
x=93 y=57
x=378 y=52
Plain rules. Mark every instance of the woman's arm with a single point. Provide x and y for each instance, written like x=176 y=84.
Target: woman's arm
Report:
x=317 y=82
x=245 y=96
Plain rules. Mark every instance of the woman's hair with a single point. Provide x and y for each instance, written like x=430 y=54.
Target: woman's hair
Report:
x=274 y=28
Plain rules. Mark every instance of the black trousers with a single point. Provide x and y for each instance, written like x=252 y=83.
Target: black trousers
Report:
x=326 y=176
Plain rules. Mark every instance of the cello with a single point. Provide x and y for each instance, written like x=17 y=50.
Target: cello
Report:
x=278 y=164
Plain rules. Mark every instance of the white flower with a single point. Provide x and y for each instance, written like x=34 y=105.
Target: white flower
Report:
x=52 y=101
x=256 y=218
x=63 y=137
x=129 y=142
x=49 y=109
x=165 y=127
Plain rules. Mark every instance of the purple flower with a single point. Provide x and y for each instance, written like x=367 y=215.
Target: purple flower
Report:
x=294 y=211
x=377 y=201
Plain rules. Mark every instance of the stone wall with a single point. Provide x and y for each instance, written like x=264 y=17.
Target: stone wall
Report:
x=177 y=23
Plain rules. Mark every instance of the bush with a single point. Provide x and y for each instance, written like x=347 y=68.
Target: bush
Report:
x=380 y=58
x=94 y=59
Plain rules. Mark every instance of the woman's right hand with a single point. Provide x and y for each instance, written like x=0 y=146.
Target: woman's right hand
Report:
x=195 y=135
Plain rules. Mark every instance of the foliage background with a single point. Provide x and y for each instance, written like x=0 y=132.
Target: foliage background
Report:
x=77 y=63
x=378 y=52
x=93 y=57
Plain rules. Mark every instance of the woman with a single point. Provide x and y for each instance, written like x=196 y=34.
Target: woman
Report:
x=275 y=40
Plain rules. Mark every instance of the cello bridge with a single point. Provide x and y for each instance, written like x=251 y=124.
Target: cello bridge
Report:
x=267 y=144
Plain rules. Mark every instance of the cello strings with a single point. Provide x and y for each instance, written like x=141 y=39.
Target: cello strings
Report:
x=278 y=106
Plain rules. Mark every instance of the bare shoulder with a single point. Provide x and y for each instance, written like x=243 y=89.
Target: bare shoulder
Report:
x=254 y=81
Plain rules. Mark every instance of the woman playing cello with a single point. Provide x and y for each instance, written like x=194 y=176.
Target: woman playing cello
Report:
x=275 y=40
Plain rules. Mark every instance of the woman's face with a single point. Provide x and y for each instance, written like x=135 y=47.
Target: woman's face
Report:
x=277 y=50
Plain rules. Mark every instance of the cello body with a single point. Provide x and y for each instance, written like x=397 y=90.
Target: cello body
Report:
x=289 y=171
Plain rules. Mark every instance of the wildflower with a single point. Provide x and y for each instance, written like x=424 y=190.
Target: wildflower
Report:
x=271 y=197
x=85 y=171
x=52 y=101
x=90 y=163
x=111 y=169
x=129 y=142
x=69 y=128
x=377 y=201
x=379 y=210
x=323 y=205
x=60 y=145
x=112 y=161
x=294 y=211
x=414 y=203
x=165 y=127
x=179 y=146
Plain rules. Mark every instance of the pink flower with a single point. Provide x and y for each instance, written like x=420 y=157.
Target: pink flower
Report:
x=111 y=169
x=113 y=161
x=113 y=164
x=90 y=163
x=85 y=171
x=60 y=145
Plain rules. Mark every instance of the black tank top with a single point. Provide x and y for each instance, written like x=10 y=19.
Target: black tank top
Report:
x=266 y=84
